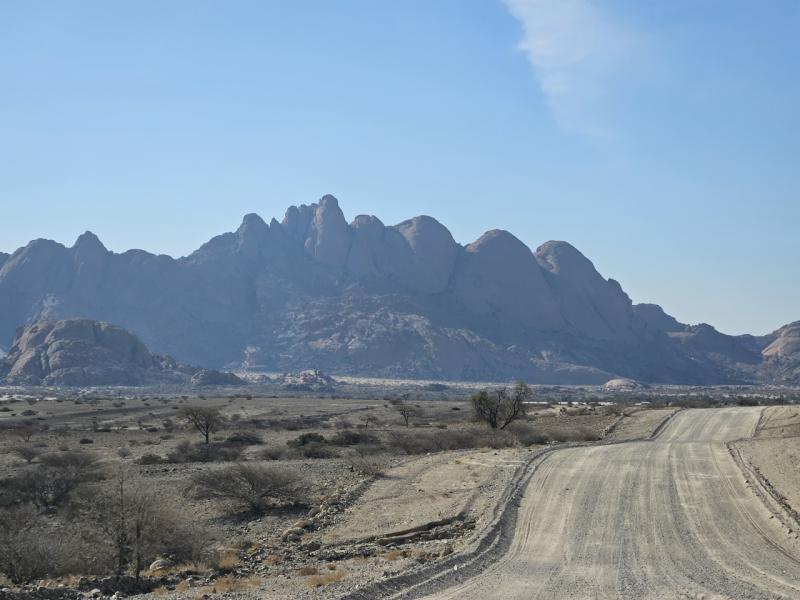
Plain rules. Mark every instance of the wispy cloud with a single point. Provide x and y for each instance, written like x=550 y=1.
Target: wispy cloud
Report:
x=577 y=51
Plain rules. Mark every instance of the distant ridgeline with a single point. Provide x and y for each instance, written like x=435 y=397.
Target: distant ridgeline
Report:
x=385 y=301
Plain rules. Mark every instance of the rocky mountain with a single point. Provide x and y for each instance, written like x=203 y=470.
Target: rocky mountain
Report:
x=82 y=352
x=364 y=298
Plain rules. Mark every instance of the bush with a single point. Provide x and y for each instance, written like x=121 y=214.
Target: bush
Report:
x=29 y=550
x=317 y=450
x=307 y=438
x=271 y=453
x=372 y=466
x=252 y=487
x=86 y=441
x=149 y=459
x=245 y=438
x=577 y=434
x=53 y=481
x=74 y=460
x=186 y=452
x=26 y=453
x=349 y=437
x=527 y=435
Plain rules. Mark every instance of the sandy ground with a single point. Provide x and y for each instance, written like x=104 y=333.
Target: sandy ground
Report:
x=669 y=518
x=426 y=489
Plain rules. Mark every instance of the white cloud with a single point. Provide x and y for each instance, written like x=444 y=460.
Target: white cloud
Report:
x=577 y=52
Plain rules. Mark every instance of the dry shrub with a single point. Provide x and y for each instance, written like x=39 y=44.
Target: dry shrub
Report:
x=307 y=570
x=227 y=560
x=371 y=466
x=271 y=453
x=424 y=442
x=273 y=559
x=26 y=453
x=29 y=550
x=527 y=434
x=246 y=438
x=612 y=410
x=317 y=450
x=253 y=487
x=393 y=554
x=349 y=437
x=51 y=483
x=186 y=452
x=575 y=434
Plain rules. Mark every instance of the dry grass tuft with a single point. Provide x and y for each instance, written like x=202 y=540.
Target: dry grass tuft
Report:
x=325 y=579
x=392 y=554
x=307 y=570
x=229 y=559
x=273 y=559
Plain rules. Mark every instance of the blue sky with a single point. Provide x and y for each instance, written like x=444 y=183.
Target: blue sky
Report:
x=660 y=138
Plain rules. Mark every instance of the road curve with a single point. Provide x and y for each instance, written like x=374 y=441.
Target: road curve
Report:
x=662 y=519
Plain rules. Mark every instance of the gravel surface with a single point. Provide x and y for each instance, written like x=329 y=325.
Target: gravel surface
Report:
x=669 y=518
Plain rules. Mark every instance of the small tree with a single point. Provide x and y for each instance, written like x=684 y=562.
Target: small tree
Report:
x=26 y=453
x=206 y=420
x=406 y=411
x=25 y=432
x=500 y=408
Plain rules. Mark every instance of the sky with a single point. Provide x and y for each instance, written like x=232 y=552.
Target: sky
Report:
x=662 y=139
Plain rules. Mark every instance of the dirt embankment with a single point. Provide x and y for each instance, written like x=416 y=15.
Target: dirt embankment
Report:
x=773 y=455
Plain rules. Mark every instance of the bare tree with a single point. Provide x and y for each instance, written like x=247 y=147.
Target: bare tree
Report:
x=134 y=526
x=206 y=420
x=500 y=408
x=406 y=411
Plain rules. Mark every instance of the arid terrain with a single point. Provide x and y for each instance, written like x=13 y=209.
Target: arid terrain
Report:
x=581 y=498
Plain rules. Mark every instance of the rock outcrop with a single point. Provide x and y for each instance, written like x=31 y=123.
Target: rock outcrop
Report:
x=83 y=352
x=369 y=299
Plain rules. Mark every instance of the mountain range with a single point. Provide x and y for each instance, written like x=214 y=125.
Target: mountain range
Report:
x=363 y=298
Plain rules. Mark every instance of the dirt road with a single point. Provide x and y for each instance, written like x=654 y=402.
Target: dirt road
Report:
x=662 y=519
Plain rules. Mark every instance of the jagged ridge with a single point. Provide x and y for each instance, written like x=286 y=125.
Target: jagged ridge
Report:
x=369 y=299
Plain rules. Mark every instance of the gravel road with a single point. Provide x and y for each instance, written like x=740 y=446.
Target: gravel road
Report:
x=669 y=518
